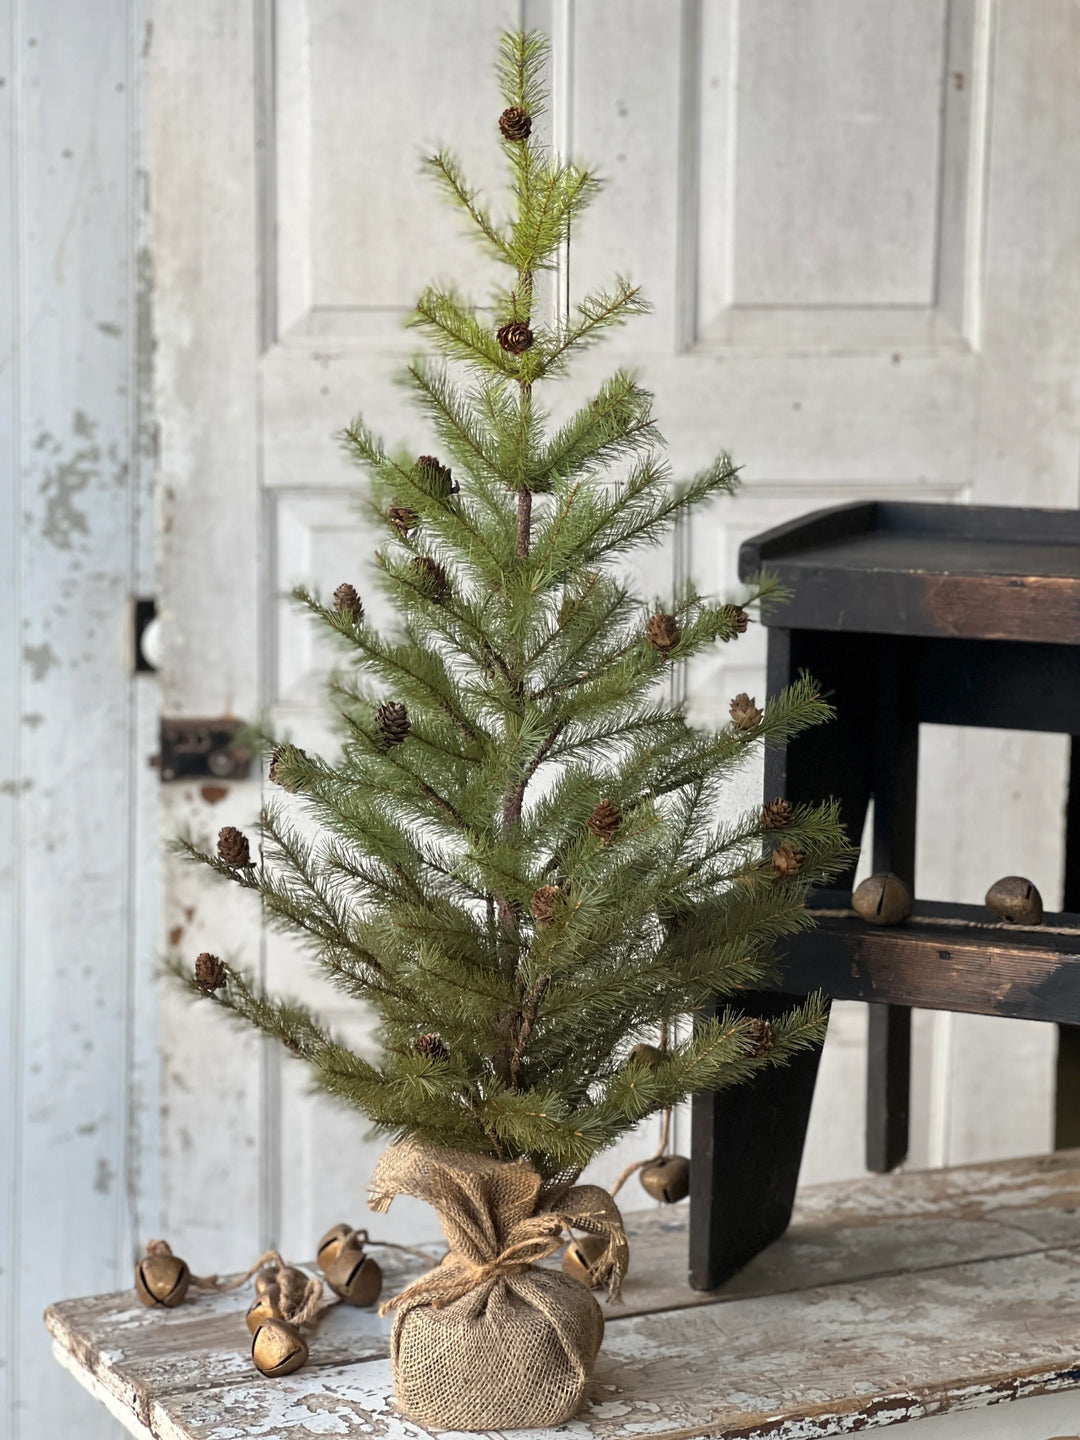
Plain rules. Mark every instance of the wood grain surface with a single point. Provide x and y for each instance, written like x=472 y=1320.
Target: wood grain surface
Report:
x=890 y=1299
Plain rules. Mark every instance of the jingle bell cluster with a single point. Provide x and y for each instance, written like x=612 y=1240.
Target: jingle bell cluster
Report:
x=288 y=1301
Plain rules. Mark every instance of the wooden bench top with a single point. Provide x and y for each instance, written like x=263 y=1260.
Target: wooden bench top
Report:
x=902 y=568
x=890 y=1299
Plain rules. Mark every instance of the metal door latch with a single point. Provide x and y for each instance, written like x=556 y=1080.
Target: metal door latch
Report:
x=196 y=749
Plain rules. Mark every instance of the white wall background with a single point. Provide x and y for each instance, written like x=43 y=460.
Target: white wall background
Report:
x=859 y=226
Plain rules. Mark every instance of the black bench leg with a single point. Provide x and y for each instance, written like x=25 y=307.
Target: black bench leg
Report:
x=747 y=1142
x=747 y=1145
x=1067 y=1104
x=896 y=764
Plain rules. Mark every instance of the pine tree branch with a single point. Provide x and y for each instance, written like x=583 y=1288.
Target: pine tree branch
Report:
x=448 y=173
x=598 y=312
x=525 y=1022
x=524 y=523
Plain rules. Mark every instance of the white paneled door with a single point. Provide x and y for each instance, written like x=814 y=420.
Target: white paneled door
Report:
x=859 y=227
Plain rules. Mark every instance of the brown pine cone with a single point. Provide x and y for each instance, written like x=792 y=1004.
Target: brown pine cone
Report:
x=392 y=723
x=515 y=336
x=760 y=1035
x=276 y=765
x=439 y=480
x=433 y=1046
x=347 y=602
x=736 y=617
x=744 y=712
x=777 y=814
x=431 y=577
x=543 y=903
x=662 y=633
x=786 y=861
x=604 y=821
x=403 y=519
x=515 y=123
x=209 y=972
x=233 y=847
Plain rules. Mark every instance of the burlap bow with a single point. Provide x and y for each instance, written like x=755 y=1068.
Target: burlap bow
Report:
x=498 y=1218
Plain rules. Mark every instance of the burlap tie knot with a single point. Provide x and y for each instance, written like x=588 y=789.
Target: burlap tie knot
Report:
x=532 y=1240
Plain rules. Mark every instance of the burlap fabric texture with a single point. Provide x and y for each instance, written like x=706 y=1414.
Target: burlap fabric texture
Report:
x=486 y=1340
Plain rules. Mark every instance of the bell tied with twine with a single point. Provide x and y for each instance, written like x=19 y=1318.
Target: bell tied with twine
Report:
x=288 y=1302
x=162 y=1278
x=486 y=1340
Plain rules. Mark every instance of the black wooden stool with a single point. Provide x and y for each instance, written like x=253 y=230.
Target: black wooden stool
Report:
x=903 y=613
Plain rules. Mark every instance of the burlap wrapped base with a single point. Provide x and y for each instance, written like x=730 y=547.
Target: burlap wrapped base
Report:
x=486 y=1340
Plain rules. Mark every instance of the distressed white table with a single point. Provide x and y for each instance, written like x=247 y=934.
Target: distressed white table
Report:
x=890 y=1300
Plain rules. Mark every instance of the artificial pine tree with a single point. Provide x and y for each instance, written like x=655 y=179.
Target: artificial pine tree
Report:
x=516 y=859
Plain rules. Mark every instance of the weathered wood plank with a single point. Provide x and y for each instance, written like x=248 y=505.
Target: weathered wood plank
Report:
x=979 y=968
x=888 y=1299
x=819 y=1362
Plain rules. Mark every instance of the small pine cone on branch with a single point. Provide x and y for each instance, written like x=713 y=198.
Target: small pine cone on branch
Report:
x=233 y=847
x=760 y=1035
x=515 y=336
x=277 y=763
x=777 y=814
x=744 y=712
x=736 y=617
x=433 y=1046
x=604 y=822
x=543 y=903
x=431 y=577
x=515 y=123
x=209 y=972
x=786 y=862
x=403 y=519
x=663 y=633
x=347 y=602
x=392 y=723
x=436 y=477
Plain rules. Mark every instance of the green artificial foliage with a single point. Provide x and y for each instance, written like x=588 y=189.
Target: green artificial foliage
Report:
x=517 y=859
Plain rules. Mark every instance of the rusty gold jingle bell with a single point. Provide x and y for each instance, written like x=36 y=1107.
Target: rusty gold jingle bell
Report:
x=335 y=1239
x=580 y=1257
x=266 y=1306
x=353 y=1276
x=1015 y=900
x=161 y=1278
x=278 y=1348
x=667 y=1179
x=883 y=899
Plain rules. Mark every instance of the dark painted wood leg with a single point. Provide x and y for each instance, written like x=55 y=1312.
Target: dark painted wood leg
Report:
x=888 y=1087
x=747 y=1146
x=1067 y=1106
x=747 y=1143
x=896 y=765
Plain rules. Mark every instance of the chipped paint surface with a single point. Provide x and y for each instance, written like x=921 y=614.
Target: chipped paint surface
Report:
x=891 y=1300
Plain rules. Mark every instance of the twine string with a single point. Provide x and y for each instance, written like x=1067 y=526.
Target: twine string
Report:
x=665 y=1134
